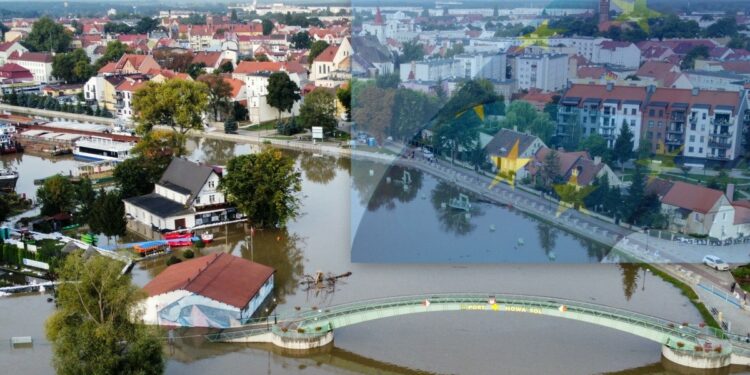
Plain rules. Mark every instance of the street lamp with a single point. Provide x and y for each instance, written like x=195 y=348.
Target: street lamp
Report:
x=268 y=323
x=645 y=230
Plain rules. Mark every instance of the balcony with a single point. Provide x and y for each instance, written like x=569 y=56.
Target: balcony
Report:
x=674 y=141
x=675 y=130
x=717 y=157
x=717 y=144
x=722 y=135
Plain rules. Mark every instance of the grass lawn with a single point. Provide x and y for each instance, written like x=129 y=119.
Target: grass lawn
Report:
x=268 y=125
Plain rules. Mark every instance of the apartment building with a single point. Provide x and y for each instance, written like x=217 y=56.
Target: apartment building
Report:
x=600 y=109
x=545 y=72
x=703 y=127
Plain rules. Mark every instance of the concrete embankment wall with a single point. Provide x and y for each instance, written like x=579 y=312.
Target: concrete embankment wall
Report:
x=57 y=116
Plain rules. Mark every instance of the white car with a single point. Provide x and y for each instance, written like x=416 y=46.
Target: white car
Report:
x=427 y=153
x=715 y=262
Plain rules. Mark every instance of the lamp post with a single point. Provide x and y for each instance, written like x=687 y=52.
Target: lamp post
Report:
x=645 y=230
x=268 y=323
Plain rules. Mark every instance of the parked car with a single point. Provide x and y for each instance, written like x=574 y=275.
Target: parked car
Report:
x=715 y=262
x=427 y=153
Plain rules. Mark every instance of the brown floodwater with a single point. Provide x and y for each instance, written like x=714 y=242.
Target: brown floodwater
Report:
x=320 y=239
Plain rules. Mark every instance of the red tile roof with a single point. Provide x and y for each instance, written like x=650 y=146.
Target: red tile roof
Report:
x=251 y=67
x=209 y=58
x=712 y=98
x=221 y=277
x=32 y=56
x=328 y=54
x=692 y=197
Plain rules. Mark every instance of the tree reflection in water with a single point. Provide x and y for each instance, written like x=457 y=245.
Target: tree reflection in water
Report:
x=547 y=238
x=630 y=277
x=278 y=249
x=216 y=152
x=453 y=220
x=318 y=168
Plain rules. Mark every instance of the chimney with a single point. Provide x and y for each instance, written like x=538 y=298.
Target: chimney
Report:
x=696 y=91
x=597 y=160
x=610 y=86
x=730 y=192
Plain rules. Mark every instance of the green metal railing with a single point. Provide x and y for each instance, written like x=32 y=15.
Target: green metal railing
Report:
x=312 y=323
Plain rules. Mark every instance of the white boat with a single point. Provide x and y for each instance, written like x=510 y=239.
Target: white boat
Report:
x=8 y=179
x=207 y=237
x=101 y=148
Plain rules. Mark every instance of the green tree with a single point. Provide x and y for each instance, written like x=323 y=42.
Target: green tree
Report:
x=114 y=51
x=267 y=26
x=524 y=117
x=233 y=16
x=108 y=214
x=318 y=109
x=56 y=195
x=316 y=49
x=72 y=67
x=412 y=110
x=219 y=92
x=412 y=51
x=301 y=40
x=344 y=95
x=48 y=36
x=146 y=25
x=226 y=67
x=457 y=125
x=282 y=92
x=550 y=172
x=264 y=187
x=596 y=145
x=196 y=70
x=388 y=81
x=176 y=103
x=91 y=330
x=636 y=193
x=117 y=28
x=725 y=27
x=85 y=195
x=688 y=62
x=623 y=148
x=137 y=176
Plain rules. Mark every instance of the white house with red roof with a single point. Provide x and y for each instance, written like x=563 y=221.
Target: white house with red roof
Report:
x=698 y=210
x=218 y=290
x=8 y=48
x=13 y=73
x=332 y=59
x=255 y=74
x=124 y=93
x=38 y=63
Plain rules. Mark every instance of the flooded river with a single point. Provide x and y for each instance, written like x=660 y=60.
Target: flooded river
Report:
x=442 y=343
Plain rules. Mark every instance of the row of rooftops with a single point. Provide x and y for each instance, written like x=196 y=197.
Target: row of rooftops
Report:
x=582 y=95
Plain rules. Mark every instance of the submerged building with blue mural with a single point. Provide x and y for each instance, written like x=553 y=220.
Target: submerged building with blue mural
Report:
x=217 y=290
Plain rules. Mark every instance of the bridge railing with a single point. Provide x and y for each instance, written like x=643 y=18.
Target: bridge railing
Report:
x=308 y=318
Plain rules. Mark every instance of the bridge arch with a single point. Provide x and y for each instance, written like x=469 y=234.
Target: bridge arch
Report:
x=659 y=330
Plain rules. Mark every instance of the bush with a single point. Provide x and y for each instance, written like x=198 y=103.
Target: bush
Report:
x=188 y=254
x=173 y=260
x=680 y=344
x=288 y=127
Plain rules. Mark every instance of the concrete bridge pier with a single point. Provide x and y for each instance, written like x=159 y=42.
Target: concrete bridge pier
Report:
x=697 y=360
x=302 y=341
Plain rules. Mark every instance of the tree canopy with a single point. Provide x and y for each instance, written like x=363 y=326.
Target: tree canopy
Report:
x=264 y=187
x=107 y=216
x=72 y=67
x=282 y=92
x=114 y=51
x=48 y=36
x=91 y=330
x=623 y=148
x=219 y=93
x=301 y=40
x=176 y=103
x=319 y=109
x=56 y=195
x=524 y=117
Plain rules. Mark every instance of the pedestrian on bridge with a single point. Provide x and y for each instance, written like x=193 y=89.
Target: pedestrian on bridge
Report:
x=734 y=285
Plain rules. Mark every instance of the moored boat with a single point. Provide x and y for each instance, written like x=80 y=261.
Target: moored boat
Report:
x=8 y=179
x=101 y=148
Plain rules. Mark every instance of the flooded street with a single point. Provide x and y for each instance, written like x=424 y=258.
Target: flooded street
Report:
x=447 y=342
